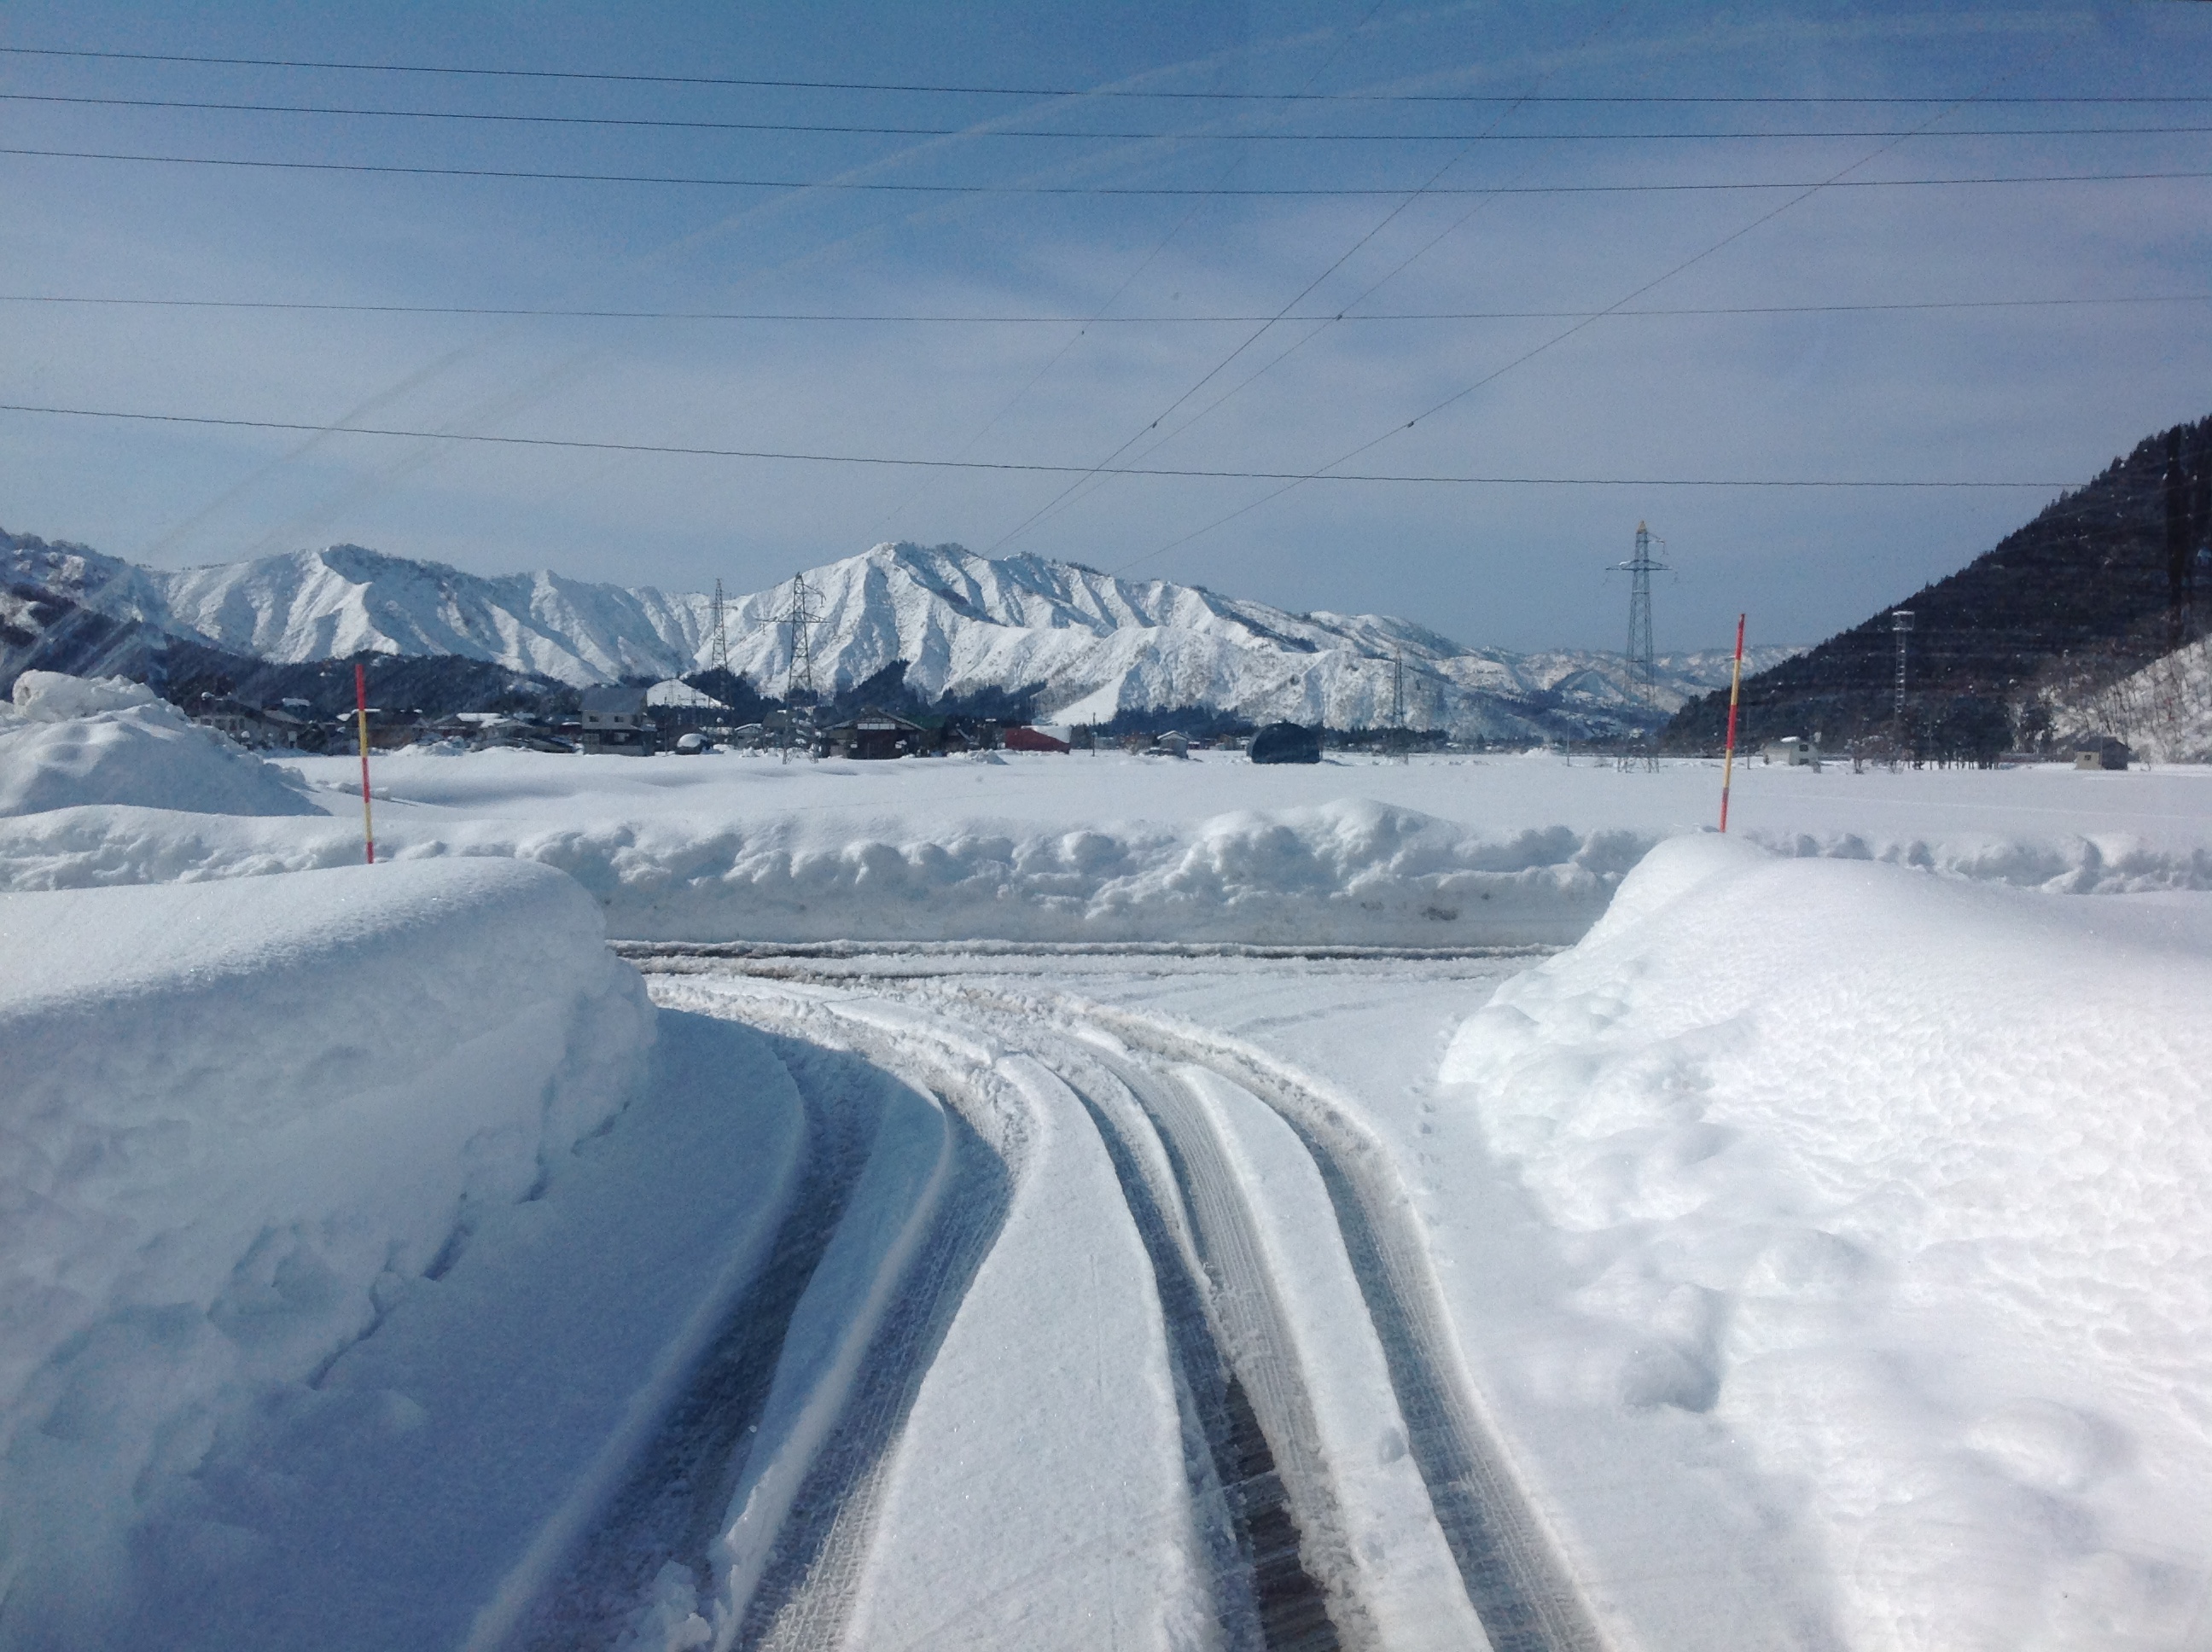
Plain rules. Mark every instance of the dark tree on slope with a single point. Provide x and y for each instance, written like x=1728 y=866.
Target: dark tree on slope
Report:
x=2082 y=595
x=747 y=704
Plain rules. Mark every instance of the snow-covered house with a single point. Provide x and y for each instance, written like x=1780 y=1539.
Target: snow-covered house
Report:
x=875 y=733
x=614 y=720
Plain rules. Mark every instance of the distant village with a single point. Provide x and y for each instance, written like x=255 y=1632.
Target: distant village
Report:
x=639 y=720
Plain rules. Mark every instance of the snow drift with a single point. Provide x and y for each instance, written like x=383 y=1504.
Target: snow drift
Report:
x=1905 y=1187
x=71 y=741
x=239 y=1120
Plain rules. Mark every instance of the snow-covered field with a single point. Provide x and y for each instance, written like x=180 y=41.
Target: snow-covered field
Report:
x=1099 y=1201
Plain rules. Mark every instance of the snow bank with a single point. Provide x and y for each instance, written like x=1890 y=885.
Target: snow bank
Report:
x=238 y=1121
x=1451 y=853
x=104 y=740
x=1906 y=1187
x=1351 y=872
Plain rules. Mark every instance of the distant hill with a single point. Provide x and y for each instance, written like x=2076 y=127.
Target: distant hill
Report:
x=2100 y=583
x=930 y=625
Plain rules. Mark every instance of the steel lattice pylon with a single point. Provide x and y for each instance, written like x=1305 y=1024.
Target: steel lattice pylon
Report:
x=1643 y=662
x=802 y=614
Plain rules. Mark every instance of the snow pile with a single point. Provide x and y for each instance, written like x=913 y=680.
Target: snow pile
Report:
x=239 y=1121
x=1348 y=872
x=1905 y=1187
x=71 y=741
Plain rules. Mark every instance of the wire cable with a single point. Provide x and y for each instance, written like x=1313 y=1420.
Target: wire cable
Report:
x=773 y=83
x=667 y=125
x=1135 y=190
x=582 y=445
x=811 y=317
x=1840 y=179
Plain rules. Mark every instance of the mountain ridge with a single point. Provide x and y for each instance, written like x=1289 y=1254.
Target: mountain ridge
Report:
x=1085 y=644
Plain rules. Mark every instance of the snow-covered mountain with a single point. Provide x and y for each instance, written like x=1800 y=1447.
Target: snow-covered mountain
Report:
x=1086 y=644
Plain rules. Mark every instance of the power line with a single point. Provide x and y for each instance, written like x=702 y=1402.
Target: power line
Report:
x=581 y=445
x=772 y=83
x=1838 y=180
x=1129 y=189
x=1078 y=486
x=910 y=318
x=671 y=124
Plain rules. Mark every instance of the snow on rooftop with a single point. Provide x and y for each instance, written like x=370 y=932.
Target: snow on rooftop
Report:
x=675 y=691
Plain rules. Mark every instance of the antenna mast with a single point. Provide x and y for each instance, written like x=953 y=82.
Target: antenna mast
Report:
x=1900 y=624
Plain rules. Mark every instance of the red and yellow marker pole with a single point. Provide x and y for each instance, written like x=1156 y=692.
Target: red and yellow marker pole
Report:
x=361 y=717
x=1735 y=692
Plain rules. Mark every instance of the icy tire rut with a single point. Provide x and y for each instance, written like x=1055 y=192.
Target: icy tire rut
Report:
x=1271 y=1514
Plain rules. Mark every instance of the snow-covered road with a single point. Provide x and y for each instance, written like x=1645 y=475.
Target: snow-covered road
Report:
x=1338 y=1479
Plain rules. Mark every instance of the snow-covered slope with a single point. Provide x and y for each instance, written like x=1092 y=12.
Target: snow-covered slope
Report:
x=2164 y=710
x=1087 y=644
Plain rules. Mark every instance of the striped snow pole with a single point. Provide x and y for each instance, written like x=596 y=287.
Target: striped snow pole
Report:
x=360 y=721
x=1735 y=691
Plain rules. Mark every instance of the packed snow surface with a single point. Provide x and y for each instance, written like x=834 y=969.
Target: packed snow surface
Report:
x=68 y=741
x=1901 y=1187
x=242 y=1122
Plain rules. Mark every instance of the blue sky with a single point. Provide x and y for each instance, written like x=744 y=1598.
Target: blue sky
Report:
x=1078 y=319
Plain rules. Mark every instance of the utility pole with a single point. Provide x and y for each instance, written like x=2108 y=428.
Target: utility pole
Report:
x=1642 y=664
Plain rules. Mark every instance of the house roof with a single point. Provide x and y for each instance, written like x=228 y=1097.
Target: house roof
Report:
x=615 y=700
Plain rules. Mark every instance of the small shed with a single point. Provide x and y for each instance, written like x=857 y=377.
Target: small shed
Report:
x=1286 y=742
x=874 y=734
x=1794 y=750
x=2103 y=752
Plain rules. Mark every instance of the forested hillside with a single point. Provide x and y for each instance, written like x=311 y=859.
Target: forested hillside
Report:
x=2101 y=582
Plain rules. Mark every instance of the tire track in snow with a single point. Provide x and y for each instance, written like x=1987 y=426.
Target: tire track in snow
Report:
x=672 y=1505
x=1264 y=1597
x=790 y=1584
x=1508 y=1560
x=1263 y=1590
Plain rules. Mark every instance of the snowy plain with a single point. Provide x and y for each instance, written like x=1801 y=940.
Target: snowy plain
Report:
x=1087 y=1200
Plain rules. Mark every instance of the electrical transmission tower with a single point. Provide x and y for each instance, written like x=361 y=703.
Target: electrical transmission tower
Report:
x=802 y=613
x=721 y=637
x=1643 y=663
